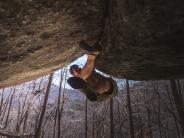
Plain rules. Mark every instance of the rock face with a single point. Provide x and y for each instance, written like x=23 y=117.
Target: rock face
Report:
x=37 y=37
x=140 y=39
x=146 y=40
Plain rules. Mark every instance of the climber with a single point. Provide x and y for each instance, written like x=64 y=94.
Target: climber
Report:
x=94 y=85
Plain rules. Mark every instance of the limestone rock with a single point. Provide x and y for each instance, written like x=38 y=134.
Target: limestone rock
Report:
x=140 y=39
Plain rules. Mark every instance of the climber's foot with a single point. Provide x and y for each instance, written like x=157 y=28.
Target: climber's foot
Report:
x=89 y=49
x=77 y=83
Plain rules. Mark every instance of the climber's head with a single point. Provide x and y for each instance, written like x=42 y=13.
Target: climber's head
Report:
x=75 y=70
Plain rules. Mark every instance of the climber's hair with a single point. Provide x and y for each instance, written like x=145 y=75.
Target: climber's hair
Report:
x=73 y=67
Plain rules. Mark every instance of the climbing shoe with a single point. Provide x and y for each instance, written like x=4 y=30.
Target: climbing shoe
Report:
x=77 y=83
x=89 y=49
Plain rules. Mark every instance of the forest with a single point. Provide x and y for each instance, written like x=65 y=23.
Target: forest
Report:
x=44 y=108
x=137 y=45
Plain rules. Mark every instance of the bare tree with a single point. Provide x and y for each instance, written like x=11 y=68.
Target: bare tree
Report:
x=179 y=91
x=93 y=125
x=4 y=107
x=2 y=98
x=155 y=88
x=26 y=118
x=86 y=118
x=42 y=114
x=8 y=113
x=129 y=110
x=171 y=110
x=178 y=102
x=111 y=119
x=59 y=106
x=55 y=120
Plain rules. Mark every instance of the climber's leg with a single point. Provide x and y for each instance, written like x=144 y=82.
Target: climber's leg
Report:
x=77 y=83
x=95 y=49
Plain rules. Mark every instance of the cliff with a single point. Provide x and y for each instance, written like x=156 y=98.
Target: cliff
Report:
x=142 y=40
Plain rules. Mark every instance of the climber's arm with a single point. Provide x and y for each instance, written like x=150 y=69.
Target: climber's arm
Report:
x=88 y=67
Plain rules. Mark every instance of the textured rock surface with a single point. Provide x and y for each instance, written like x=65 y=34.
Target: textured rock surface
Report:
x=141 y=40
x=146 y=40
x=37 y=37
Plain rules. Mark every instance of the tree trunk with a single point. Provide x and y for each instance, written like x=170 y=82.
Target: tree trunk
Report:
x=111 y=118
x=178 y=103
x=158 y=118
x=40 y=121
x=5 y=106
x=130 y=110
x=93 y=131
x=63 y=96
x=55 y=120
x=8 y=114
x=149 y=123
x=18 y=117
x=179 y=91
x=173 y=113
x=86 y=119
x=2 y=98
x=26 y=119
x=58 y=106
x=40 y=84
